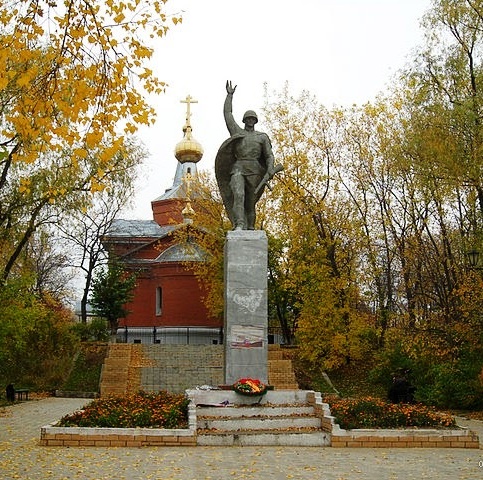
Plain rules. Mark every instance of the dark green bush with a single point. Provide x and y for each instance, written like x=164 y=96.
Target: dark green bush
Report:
x=445 y=383
x=36 y=343
x=393 y=358
x=453 y=385
x=95 y=330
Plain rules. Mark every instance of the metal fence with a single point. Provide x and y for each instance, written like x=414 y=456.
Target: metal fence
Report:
x=171 y=335
x=181 y=335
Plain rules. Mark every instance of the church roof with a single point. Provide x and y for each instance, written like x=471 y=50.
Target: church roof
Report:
x=139 y=228
x=179 y=188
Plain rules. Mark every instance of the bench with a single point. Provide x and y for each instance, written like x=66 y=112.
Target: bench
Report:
x=22 y=393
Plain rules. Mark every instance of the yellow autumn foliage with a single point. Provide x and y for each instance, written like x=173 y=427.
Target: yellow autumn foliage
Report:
x=71 y=73
x=72 y=85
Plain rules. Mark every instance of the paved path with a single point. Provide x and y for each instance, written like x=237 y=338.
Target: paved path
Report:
x=22 y=457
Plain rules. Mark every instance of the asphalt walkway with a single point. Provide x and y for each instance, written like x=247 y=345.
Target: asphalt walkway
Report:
x=22 y=457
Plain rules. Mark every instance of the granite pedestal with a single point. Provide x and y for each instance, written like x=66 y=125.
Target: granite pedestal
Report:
x=246 y=324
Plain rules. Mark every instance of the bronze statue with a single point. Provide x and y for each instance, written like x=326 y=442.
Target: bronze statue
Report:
x=243 y=166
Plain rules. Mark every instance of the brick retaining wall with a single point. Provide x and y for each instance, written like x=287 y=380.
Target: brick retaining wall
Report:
x=407 y=439
x=373 y=438
x=115 y=437
x=391 y=438
x=53 y=436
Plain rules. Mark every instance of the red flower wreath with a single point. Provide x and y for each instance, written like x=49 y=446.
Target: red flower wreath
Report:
x=250 y=386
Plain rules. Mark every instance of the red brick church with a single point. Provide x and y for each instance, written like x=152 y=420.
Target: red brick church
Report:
x=167 y=306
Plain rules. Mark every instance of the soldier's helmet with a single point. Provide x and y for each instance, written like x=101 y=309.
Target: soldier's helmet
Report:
x=250 y=113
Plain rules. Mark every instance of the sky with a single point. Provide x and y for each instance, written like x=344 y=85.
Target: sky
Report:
x=342 y=51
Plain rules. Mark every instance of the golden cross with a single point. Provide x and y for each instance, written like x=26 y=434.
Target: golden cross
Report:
x=188 y=100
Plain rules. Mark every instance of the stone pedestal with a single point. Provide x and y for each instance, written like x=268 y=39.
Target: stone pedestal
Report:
x=246 y=324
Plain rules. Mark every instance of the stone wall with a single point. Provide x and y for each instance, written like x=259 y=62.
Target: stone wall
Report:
x=133 y=367
x=178 y=367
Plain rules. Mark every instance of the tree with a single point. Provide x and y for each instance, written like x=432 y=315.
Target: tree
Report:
x=50 y=266
x=378 y=204
x=36 y=341
x=448 y=76
x=207 y=228
x=283 y=299
x=85 y=230
x=85 y=235
x=112 y=289
x=314 y=220
x=71 y=90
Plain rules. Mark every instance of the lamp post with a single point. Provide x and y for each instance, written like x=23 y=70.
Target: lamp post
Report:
x=474 y=258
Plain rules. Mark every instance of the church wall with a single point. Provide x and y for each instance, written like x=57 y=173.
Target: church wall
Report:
x=168 y=212
x=181 y=300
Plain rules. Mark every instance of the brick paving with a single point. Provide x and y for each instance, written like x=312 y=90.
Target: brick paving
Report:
x=22 y=457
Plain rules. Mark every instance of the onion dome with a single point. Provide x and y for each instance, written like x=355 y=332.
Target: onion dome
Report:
x=189 y=149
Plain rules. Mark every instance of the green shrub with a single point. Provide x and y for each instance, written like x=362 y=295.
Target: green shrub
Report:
x=442 y=382
x=149 y=410
x=36 y=342
x=96 y=330
x=369 y=412
x=453 y=385
x=393 y=358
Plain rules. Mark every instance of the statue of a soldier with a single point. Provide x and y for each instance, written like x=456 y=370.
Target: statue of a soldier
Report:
x=243 y=166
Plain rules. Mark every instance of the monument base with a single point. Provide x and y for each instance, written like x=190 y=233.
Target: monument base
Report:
x=246 y=324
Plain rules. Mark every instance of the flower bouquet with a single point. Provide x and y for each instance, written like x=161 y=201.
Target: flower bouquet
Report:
x=250 y=387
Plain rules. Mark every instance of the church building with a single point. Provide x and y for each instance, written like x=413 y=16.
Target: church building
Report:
x=167 y=306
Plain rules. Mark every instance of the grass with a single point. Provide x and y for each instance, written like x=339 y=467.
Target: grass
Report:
x=349 y=381
x=86 y=371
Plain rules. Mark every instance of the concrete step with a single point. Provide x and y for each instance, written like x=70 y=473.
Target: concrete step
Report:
x=255 y=411
x=272 y=397
x=115 y=367
x=241 y=424
x=275 y=355
x=286 y=438
x=281 y=365
x=280 y=371
x=114 y=391
x=257 y=417
x=277 y=418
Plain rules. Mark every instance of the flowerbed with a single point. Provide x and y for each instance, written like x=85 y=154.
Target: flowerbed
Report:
x=149 y=410
x=371 y=412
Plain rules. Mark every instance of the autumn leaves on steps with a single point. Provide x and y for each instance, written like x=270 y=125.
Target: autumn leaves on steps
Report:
x=121 y=372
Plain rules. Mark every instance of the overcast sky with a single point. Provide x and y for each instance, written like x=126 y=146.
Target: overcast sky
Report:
x=342 y=51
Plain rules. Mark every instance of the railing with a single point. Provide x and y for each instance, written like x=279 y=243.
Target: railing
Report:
x=180 y=335
x=170 y=335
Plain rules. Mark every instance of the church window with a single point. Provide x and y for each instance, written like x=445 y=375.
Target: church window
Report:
x=159 y=301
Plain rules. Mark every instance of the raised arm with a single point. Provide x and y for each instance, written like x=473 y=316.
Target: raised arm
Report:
x=228 y=109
